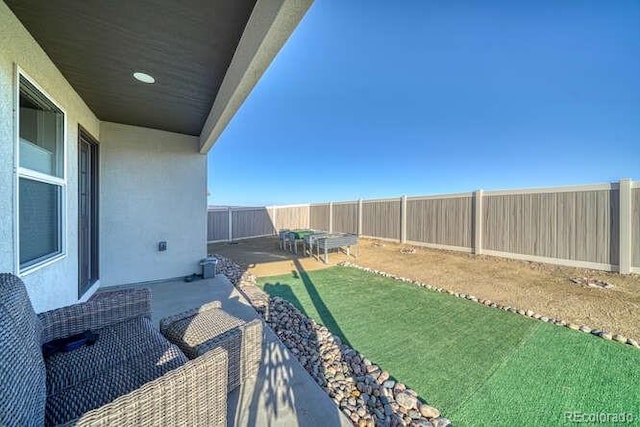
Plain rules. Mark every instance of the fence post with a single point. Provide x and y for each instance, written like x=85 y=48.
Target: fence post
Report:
x=403 y=219
x=477 y=222
x=359 y=217
x=330 y=217
x=625 y=226
x=230 y=224
x=274 y=219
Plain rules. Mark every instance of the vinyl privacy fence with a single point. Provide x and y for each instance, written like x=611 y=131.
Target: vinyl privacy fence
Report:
x=591 y=226
x=235 y=223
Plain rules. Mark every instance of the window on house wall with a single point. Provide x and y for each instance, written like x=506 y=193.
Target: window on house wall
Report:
x=41 y=178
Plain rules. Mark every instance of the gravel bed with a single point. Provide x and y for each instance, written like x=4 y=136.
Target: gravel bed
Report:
x=362 y=390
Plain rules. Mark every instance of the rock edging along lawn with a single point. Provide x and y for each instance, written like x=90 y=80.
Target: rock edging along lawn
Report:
x=362 y=390
x=528 y=313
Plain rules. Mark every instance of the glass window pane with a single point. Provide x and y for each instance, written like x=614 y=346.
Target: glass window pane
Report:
x=39 y=221
x=41 y=132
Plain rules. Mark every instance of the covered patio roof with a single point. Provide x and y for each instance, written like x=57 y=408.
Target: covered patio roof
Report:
x=205 y=55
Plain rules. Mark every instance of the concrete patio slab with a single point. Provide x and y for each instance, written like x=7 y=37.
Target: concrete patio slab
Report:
x=283 y=393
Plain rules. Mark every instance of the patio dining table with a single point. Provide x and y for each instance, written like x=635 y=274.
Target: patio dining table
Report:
x=335 y=241
x=310 y=239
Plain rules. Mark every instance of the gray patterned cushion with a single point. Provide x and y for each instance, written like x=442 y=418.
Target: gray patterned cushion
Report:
x=202 y=329
x=126 y=356
x=22 y=370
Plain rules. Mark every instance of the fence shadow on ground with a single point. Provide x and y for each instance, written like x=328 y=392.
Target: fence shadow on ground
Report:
x=285 y=291
x=326 y=318
x=279 y=387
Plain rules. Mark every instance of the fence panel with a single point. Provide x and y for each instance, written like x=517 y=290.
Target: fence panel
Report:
x=578 y=226
x=447 y=221
x=345 y=217
x=251 y=223
x=572 y=225
x=381 y=218
x=319 y=216
x=635 y=227
x=217 y=225
x=292 y=217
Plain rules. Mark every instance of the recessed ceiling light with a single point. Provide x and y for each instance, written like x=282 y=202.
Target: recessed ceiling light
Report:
x=144 y=77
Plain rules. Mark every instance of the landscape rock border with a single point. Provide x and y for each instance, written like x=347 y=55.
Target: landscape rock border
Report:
x=363 y=391
x=528 y=313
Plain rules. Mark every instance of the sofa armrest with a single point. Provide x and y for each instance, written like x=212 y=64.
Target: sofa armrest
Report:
x=165 y=322
x=193 y=394
x=102 y=309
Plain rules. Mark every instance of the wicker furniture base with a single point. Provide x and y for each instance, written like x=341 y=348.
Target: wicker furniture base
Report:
x=131 y=376
x=199 y=330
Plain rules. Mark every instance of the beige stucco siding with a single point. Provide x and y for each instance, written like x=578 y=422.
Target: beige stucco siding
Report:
x=152 y=189
x=152 y=186
x=54 y=285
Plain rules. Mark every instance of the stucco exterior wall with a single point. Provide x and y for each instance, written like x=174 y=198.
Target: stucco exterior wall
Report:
x=57 y=284
x=152 y=189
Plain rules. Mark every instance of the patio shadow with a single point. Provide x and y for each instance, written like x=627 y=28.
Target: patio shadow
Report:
x=277 y=379
x=280 y=394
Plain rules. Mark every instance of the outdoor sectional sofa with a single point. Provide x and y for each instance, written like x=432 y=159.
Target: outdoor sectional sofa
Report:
x=130 y=376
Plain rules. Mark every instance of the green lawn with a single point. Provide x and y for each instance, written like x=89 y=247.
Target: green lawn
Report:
x=478 y=365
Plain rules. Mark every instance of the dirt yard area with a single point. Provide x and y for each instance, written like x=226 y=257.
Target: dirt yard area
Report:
x=543 y=288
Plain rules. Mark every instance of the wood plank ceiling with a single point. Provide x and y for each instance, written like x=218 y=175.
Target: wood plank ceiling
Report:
x=186 y=46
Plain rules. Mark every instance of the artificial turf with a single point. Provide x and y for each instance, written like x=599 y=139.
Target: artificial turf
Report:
x=478 y=365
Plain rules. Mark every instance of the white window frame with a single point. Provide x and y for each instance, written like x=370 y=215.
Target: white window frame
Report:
x=21 y=172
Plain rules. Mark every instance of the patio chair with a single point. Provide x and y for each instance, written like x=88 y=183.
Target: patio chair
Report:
x=283 y=236
x=130 y=376
x=297 y=236
x=201 y=329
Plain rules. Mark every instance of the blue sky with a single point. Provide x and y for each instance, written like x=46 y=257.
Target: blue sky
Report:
x=379 y=99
